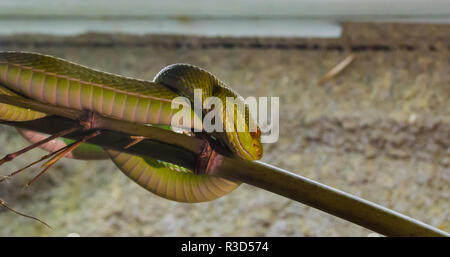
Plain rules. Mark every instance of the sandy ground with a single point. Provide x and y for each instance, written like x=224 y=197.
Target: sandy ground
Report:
x=380 y=130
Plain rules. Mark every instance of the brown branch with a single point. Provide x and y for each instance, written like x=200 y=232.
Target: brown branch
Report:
x=186 y=151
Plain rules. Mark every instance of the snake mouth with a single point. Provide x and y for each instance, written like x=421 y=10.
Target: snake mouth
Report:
x=258 y=151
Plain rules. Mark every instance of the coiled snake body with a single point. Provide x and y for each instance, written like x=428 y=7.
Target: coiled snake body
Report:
x=58 y=82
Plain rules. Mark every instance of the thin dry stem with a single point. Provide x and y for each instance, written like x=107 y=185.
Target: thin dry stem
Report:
x=12 y=156
x=33 y=163
x=3 y=203
x=61 y=154
x=136 y=140
x=337 y=69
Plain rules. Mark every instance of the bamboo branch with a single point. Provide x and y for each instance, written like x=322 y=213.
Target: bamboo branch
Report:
x=186 y=151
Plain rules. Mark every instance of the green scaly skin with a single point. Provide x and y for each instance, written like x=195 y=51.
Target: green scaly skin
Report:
x=58 y=82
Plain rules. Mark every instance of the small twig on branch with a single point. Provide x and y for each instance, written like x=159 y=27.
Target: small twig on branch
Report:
x=3 y=203
x=60 y=155
x=12 y=156
x=31 y=164
x=56 y=156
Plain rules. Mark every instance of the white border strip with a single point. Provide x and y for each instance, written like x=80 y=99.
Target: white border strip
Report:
x=337 y=9
x=208 y=27
x=265 y=18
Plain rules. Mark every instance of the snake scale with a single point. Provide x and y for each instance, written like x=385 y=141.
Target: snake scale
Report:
x=59 y=82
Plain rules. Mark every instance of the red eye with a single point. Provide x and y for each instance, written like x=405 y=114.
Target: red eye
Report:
x=256 y=134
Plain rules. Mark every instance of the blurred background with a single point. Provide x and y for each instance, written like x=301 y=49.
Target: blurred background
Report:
x=379 y=129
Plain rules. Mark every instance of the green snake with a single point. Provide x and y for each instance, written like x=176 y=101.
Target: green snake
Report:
x=59 y=82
